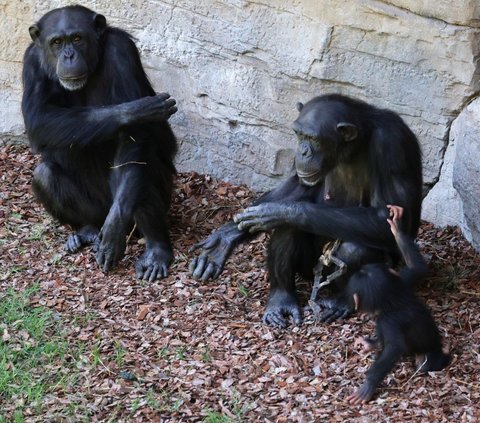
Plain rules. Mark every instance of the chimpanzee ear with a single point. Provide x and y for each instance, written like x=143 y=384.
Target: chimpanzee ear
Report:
x=34 y=33
x=100 y=23
x=347 y=130
x=299 y=106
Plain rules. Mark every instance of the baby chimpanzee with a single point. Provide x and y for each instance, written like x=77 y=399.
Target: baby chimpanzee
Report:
x=404 y=324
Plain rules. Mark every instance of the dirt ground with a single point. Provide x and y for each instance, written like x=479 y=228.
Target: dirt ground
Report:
x=198 y=351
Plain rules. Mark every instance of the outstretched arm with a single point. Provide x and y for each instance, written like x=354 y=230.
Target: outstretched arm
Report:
x=217 y=248
x=366 y=225
x=416 y=268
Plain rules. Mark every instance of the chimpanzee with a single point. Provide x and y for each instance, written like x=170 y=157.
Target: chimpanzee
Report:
x=103 y=135
x=404 y=324
x=352 y=160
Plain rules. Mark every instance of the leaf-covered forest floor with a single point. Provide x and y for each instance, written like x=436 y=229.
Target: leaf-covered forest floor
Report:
x=181 y=350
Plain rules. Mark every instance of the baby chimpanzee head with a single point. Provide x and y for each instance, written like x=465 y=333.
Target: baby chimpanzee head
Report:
x=375 y=287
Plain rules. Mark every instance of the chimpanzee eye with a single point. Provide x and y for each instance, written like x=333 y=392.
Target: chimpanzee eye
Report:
x=77 y=37
x=56 y=41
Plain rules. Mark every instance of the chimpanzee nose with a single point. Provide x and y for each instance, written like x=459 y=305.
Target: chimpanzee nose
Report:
x=68 y=53
x=305 y=150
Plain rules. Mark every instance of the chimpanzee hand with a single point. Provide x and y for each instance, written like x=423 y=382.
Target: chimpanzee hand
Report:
x=153 y=264
x=265 y=217
x=215 y=251
x=110 y=248
x=335 y=309
x=396 y=213
x=86 y=235
x=154 y=108
x=362 y=395
x=282 y=304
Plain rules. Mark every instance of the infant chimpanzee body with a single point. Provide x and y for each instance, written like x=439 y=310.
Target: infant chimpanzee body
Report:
x=404 y=324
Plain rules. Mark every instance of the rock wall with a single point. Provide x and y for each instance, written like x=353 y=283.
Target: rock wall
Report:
x=466 y=169
x=460 y=178
x=238 y=67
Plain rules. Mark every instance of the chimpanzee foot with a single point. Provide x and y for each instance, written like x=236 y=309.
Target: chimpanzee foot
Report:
x=153 y=264
x=281 y=305
x=85 y=236
x=432 y=362
x=335 y=309
x=364 y=345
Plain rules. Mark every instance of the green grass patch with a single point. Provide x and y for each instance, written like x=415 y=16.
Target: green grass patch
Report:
x=33 y=355
x=216 y=417
x=237 y=411
x=243 y=290
x=37 y=232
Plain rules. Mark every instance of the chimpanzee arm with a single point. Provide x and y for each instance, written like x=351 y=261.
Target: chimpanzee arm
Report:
x=390 y=335
x=383 y=365
x=416 y=268
x=216 y=248
x=394 y=166
x=82 y=126
x=365 y=225
x=51 y=124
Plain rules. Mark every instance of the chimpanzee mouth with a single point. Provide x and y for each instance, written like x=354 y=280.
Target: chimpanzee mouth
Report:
x=309 y=179
x=73 y=83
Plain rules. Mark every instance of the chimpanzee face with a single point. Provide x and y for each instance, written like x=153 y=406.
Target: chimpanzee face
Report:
x=324 y=139
x=69 y=45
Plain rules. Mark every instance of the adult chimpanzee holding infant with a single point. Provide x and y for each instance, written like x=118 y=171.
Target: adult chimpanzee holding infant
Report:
x=352 y=161
x=103 y=135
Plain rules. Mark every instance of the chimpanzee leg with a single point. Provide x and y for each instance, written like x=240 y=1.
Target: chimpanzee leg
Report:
x=70 y=203
x=127 y=184
x=151 y=220
x=433 y=361
x=290 y=251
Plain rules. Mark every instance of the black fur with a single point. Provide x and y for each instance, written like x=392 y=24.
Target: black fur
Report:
x=405 y=326
x=352 y=160
x=107 y=149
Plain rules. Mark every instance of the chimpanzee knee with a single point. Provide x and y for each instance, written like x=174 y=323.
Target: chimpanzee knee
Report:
x=354 y=255
x=42 y=178
x=45 y=181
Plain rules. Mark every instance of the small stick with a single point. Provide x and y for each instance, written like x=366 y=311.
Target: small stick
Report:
x=127 y=163
x=416 y=371
x=131 y=232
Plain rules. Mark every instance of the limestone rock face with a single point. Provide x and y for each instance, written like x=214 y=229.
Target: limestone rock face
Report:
x=443 y=205
x=459 y=184
x=463 y=12
x=238 y=67
x=466 y=169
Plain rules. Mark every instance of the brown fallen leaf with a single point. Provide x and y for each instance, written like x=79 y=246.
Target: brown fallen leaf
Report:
x=143 y=310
